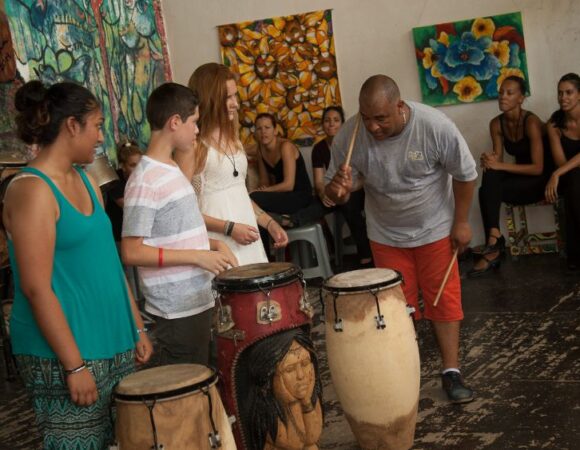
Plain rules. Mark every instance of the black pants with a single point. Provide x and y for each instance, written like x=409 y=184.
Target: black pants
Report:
x=570 y=189
x=498 y=186
x=185 y=340
x=282 y=202
x=352 y=211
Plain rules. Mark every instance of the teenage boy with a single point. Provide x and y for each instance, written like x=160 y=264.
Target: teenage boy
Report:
x=164 y=233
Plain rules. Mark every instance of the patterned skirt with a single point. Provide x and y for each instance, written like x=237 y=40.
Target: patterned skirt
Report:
x=64 y=425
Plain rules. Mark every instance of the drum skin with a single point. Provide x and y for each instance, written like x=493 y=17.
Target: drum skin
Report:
x=182 y=421
x=243 y=300
x=375 y=372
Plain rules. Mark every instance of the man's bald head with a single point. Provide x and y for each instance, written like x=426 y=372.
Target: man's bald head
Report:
x=379 y=87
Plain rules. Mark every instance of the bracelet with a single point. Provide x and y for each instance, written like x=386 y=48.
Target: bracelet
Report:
x=160 y=259
x=230 y=228
x=142 y=330
x=226 y=225
x=75 y=370
x=269 y=222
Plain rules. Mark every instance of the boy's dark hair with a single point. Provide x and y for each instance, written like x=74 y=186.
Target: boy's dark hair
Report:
x=266 y=115
x=166 y=101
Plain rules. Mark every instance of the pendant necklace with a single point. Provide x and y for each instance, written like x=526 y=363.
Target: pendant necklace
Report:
x=232 y=159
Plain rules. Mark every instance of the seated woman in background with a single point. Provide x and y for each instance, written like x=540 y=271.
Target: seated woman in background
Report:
x=284 y=184
x=332 y=120
x=522 y=182
x=564 y=134
x=128 y=154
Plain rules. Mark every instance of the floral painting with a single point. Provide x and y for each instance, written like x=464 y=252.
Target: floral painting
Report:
x=287 y=67
x=116 y=48
x=466 y=61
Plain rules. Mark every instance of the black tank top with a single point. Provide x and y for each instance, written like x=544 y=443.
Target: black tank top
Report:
x=519 y=149
x=301 y=182
x=571 y=147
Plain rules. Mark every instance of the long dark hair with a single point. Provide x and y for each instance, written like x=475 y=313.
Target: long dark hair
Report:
x=261 y=409
x=42 y=110
x=558 y=119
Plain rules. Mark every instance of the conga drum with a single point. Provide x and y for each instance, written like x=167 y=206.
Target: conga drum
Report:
x=255 y=302
x=373 y=356
x=171 y=407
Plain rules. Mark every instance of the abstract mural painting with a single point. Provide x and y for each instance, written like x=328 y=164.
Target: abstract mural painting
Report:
x=287 y=67
x=10 y=81
x=116 y=48
x=466 y=61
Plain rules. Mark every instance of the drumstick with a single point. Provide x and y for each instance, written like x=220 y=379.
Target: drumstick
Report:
x=444 y=282
x=352 y=139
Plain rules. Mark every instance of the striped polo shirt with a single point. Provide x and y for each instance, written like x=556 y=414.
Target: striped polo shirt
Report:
x=161 y=207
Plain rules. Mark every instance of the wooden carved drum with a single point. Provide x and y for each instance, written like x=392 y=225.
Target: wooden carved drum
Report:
x=373 y=356
x=256 y=302
x=171 y=407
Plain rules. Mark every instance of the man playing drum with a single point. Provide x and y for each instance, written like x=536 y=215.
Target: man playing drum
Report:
x=418 y=175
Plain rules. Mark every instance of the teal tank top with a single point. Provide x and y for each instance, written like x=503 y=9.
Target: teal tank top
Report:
x=88 y=280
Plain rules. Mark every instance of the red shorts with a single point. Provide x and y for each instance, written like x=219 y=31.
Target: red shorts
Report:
x=423 y=268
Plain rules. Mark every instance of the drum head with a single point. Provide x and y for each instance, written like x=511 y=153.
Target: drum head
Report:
x=252 y=277
x=165 y=380
x=363 y=280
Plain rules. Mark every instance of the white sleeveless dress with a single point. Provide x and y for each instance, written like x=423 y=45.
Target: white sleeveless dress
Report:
x=226 y=197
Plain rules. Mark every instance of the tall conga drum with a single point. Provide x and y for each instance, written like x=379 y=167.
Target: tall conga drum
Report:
x=373 y=356
x=171 y=407
x=257 y=304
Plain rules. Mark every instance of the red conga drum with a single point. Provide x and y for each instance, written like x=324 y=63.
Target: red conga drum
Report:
x=255 y=302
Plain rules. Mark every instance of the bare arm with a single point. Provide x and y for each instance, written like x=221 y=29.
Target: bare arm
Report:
x=264 y=179
x=461 y=230
x=289 y=155
x=135 y=253
x=341 y=185
x=556 y=145
x=564 y=165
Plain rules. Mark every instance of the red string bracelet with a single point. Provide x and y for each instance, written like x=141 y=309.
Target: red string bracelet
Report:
x=160 y=261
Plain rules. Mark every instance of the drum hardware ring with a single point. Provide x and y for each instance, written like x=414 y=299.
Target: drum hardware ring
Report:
x=269 y=314
x=338 y=327
x=379 y=318
x=215 y=440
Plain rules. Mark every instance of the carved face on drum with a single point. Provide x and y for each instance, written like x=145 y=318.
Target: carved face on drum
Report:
x=283 y=403
x=294 y=378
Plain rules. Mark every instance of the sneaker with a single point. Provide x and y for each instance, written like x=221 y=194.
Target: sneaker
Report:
x=452 y=383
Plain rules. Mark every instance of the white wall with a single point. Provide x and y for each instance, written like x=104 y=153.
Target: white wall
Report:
x=374 y=36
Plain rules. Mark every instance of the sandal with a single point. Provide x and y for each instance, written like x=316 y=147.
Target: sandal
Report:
x=491 y=264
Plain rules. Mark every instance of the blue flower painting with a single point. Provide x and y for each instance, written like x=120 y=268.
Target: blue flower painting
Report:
x=466 y=61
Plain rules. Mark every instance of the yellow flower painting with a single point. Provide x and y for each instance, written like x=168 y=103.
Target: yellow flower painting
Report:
x=287 y=67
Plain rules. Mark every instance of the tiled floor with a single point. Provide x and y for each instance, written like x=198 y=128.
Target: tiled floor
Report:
x=520 y=352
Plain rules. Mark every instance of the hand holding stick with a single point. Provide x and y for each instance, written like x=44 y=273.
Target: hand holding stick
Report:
x=444 y=282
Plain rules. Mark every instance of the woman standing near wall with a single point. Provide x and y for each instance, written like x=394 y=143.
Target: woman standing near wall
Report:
x=74 y=324
x=221 y=163
x=564 y=135
x=519 y=132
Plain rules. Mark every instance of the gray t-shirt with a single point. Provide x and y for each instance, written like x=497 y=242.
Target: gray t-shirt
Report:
x=408 y=178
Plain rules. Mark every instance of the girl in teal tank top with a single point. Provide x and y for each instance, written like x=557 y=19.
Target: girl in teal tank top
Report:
x=75 y=328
